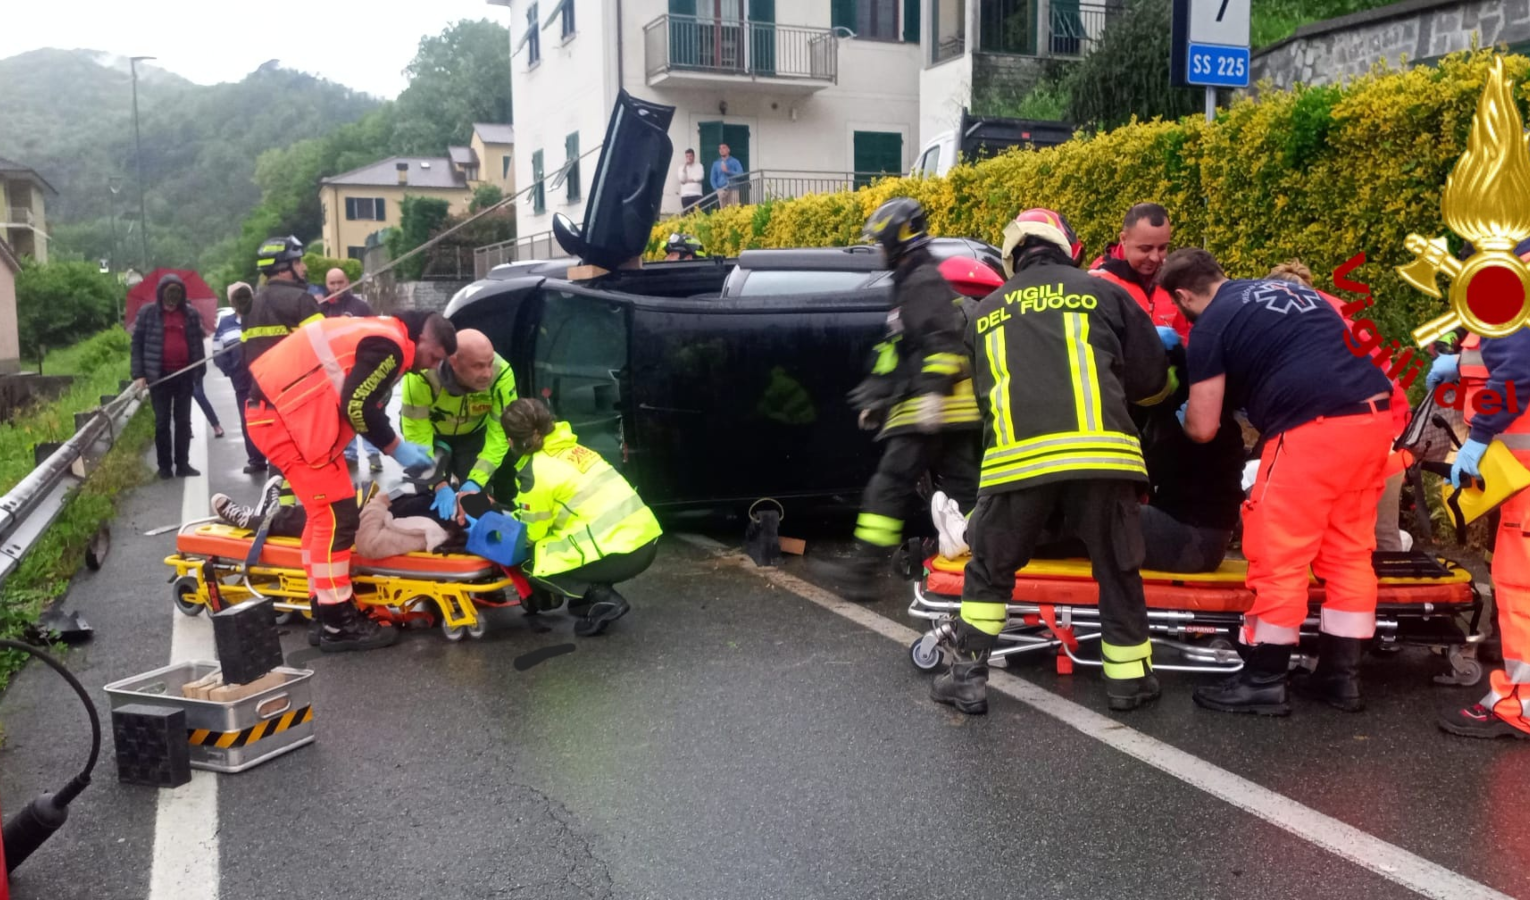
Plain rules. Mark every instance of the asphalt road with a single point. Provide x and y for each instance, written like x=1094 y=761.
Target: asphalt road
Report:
x=741 y=735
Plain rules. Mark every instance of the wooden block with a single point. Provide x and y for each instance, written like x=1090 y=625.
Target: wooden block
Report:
x=228 y=693
x=584 y=273
x=197 y=690
x=794 y=546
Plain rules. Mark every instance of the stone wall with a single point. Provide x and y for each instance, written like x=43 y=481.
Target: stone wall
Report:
x=1414 y=31
x=390 y=297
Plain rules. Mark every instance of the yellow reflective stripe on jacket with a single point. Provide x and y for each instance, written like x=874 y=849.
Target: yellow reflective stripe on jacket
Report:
x=960 y=408
x=316 y=317
x=1052 y=453
x=943 y=364
x=1082 y=371
x=1048 y=444
x=1170 y=385
x=1097 y=462
x=585 y=542
x=998 y=397
x=264 y=331
x=414 y=411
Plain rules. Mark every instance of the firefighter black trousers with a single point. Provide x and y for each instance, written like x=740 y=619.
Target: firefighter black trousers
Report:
x=1102 y=513
x=952 y=458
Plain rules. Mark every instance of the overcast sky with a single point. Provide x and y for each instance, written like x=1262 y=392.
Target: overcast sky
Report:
x=362 y=45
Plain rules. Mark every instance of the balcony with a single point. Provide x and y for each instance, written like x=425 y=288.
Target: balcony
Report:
x=692 y=51
x=19 y=217
x=1045 y=28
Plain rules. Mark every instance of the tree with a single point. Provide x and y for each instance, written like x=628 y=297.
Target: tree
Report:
x=421 y=217
x=1128 y=73
x=485 y=196
x=458 y=77
x=60 y=303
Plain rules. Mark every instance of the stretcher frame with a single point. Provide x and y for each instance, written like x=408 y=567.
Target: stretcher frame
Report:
x=1204 y=641
x=399 y=598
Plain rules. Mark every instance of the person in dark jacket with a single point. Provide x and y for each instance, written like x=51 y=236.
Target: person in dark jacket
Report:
x=283 y=303
x=230 y=358
x=167 y=337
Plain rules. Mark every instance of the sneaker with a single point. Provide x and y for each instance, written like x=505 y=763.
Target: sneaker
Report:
x=950 y=524
x=1479 y=722
x=377 y=462
x=270 y=496
x=235 y=514
x=186 y=472
x=606 y=606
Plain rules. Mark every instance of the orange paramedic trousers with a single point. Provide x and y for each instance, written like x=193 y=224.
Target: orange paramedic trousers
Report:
x=1314 y=504
x=327 y=495
x=1510 y=694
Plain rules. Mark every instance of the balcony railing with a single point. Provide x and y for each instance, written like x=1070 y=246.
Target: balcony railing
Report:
x=721 y=46
x=783 y=184
x=1068 y=28
x=20 y=216
x=534 y=246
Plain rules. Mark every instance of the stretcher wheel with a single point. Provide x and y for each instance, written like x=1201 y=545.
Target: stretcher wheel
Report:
x=183 y=591
x=477 y=629
x=454 y=633
x=925 y=655
x=285 y=617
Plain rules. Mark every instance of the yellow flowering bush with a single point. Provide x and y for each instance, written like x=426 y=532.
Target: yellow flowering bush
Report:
x=1318 y=174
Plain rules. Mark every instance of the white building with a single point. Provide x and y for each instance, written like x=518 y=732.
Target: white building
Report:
x=801 y=102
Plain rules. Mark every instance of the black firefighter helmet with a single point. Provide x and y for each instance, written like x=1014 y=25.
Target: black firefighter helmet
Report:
x=900 y=226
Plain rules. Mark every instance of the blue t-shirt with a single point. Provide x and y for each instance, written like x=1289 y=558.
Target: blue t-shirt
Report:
x=1282 y=349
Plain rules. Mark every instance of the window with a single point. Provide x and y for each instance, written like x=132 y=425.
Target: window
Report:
x=877 y=153
x=1008 y=26
x=365 y=209
x=875 y=20
x=929 y=163
x=579 y=363
x=504 y=167
x=571 y=157
x=355 y=252
x=948 y=24
x=533 y=39
x=538 y=190
x=470 y=173
x=564 y=11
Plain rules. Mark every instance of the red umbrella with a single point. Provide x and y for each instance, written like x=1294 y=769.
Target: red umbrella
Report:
x=198 y=294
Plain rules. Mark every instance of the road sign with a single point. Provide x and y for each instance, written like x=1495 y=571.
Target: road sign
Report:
x=1210 y=43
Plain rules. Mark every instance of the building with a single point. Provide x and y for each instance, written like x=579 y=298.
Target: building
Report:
x=365 y=201
x=491 y=156
x=10 y=330
x=806 y=93
x=23 y=213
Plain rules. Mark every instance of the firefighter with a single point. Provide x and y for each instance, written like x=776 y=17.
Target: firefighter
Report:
x=1277 y=350
x=919 y=394
x=1132 y=264
x=682 y=246
x=313 y=393
x=283 y=303
x=588 y=528
x=458 y=405
x=1058 y=356
x=1490 y=371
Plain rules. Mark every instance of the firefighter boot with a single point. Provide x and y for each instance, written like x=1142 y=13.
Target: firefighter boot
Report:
x=606 y=606
x=343 y=627
x=965 y=684
x=1259 y=688
x=1126 y=694
x=1336 y=680
x=855 y=576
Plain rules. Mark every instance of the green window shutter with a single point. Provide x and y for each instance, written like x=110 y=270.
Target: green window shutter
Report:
x=571 y=153
x=911 y=21
x=877 y=152
x=538 y=193
x=710 y=134
x=379 y=205
x=682 y=7
x=842 y=14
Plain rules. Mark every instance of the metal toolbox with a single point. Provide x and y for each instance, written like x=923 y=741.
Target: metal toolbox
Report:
x=234 y=736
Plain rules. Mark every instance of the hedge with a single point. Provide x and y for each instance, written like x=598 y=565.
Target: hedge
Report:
x=1318 y=174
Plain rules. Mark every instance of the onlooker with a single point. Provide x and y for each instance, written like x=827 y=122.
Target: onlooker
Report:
x=725 y=172
x=167 y=337
x=690 y=175
x=341 y=302
x=199 y=395
x=228 y=356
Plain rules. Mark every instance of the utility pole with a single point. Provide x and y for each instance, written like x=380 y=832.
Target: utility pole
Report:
x=113 y=185
x=143 y=218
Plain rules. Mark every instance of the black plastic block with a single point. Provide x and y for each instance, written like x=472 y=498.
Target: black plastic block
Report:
x=248 y=643
x=152 y=746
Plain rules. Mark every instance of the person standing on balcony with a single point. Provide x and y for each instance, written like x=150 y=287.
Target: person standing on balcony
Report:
x=690 y=175
x=725 y=172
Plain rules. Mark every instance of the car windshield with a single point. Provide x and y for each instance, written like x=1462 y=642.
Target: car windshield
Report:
x=776 y=283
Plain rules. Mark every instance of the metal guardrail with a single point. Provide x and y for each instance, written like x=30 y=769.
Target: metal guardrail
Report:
x=724 y=46
x=30 y=507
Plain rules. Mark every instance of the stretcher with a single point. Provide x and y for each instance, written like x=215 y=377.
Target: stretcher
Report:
x=213 y=569
x=1193 y=620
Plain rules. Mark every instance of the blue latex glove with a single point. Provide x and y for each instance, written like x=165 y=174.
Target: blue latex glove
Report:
x=1169 y=336
x=469 y=487
x=1468 y=461
x=412 y=456
x=1180 y=413
x=445 y=504
x=1446 y=367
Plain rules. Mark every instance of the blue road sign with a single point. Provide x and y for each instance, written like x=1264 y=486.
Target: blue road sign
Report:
x=1212 y=65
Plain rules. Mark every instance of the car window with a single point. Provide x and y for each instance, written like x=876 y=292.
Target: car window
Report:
x=579 y=363
x=766 y=282
x=929 y=163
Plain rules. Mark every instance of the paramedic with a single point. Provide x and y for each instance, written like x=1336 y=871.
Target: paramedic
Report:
x=919 y=392
x=1132 y=264
x=588 y=528
x=458 y=405
x=313 y=393
x=1487 y=367
x=1057 y=356
x=282 y=303
x=1277 y=350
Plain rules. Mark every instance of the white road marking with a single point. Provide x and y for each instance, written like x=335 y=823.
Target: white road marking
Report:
x=185 y=865
x=1345 y=841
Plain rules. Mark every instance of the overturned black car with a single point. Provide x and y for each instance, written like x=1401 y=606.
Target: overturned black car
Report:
x=710 y=382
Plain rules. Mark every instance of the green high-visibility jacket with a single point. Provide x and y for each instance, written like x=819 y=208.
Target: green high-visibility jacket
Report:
x=576 y=507
x=430 y=410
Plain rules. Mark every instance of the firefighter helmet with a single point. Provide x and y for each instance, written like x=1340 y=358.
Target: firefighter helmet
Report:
x=899 y=225
x=688 y=247
x=1046 y=225
x=277 y=254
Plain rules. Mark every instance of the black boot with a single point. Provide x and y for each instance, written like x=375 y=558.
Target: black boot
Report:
x=606 y=606
x=343 y=628
x=1336 y=680
x=1259 y=688
x=965 y=684
x=855 y=575
x=1126 y=694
